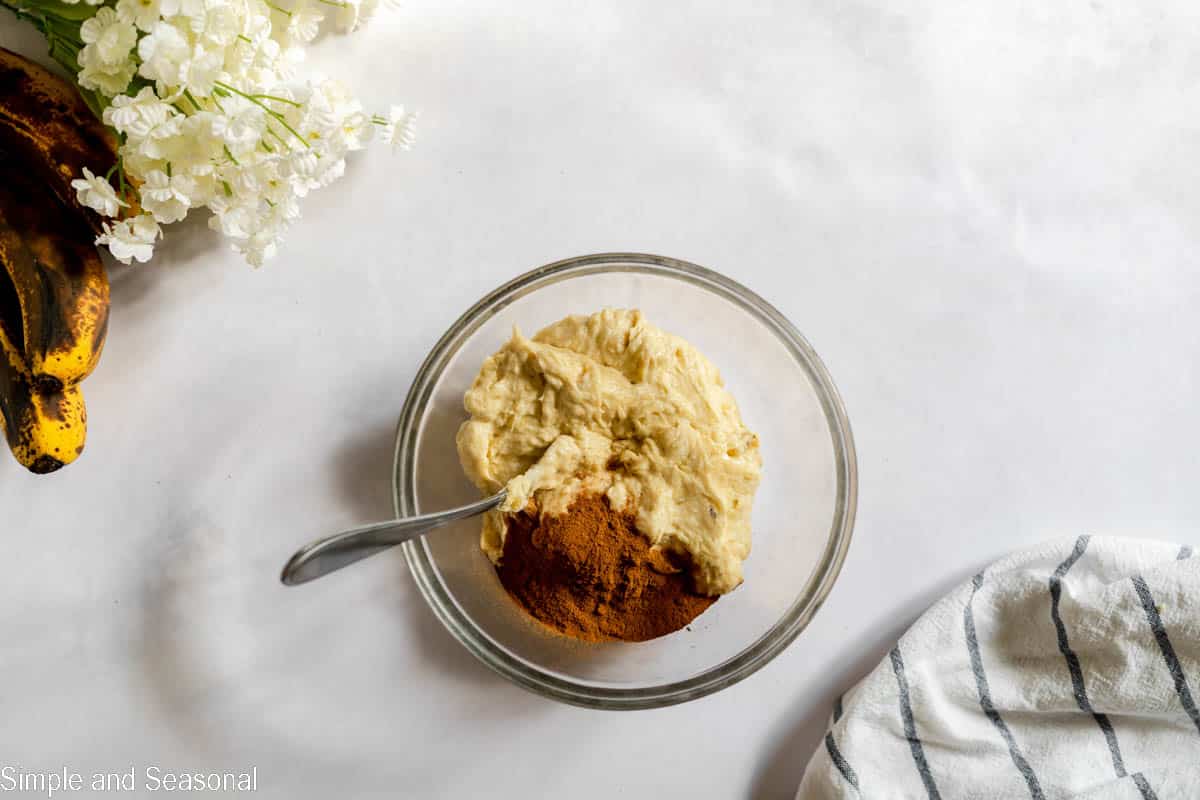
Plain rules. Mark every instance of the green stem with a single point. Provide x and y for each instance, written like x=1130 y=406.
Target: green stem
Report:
x=275 y=133
x=292 y=103
x=188 y=94
x=278 y=117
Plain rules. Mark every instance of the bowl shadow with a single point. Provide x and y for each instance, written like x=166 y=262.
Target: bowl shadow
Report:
x=364 y=472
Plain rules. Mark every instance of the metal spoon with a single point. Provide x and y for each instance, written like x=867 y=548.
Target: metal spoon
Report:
x=334 y=552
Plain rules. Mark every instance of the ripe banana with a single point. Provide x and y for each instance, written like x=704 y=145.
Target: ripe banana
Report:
x=58 y=279
x=45 y=124
x=44 y=430
x=54 y=292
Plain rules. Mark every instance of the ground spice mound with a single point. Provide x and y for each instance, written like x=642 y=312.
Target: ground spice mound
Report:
x=590 y=574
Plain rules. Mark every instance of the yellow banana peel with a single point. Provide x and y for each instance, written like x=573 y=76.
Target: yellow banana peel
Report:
x=54 y=294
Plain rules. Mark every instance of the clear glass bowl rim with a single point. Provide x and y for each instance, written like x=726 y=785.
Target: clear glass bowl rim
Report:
x=715 y=678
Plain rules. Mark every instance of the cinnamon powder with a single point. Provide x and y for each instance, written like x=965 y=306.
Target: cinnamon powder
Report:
x=590 y=574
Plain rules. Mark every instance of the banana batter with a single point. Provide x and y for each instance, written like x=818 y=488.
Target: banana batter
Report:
x=611 y=405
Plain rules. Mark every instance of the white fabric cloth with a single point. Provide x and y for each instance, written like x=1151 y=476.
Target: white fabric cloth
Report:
x=1069 y=670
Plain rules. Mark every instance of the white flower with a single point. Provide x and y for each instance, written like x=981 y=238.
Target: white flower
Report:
x=346 y=16
x=137 y=116
x=109 y=39
x=353 y=13
x=259 y=247
x=356 y=130
x=231 y=219
x=142 y=13
x=160 y=141
x=400 y=128
x=256 y=28
x=305 y=23
x=214 y=21
x=137 y=165
x=197 y=144
x=202 y=70
x=130 y=238
x=241 y=125
x=172 y=61
x=332 y=169
x=110 y=80
x=163 y=52
x=167 y=197
x=97 y=194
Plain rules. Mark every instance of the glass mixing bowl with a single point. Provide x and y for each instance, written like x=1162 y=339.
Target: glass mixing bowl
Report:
x=803 y=512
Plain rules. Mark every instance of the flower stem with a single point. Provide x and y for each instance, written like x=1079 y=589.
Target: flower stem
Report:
x=292 y=103
x=188 y=94
x=278 y=117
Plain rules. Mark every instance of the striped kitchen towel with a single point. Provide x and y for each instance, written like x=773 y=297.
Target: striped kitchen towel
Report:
x=1068 y=670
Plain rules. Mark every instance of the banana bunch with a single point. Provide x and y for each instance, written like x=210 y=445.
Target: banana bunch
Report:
x=53 y=286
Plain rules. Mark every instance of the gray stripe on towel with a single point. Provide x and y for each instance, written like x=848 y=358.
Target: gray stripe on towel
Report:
x=840 y=762
x=1064 y=647
x=1144 y=786
x=910 y=727
x=1168 y=651
x=985 y=696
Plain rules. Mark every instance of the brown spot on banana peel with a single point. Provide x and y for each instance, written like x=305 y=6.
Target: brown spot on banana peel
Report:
x=44 y=431
x=57 y=276
x=45 y=120
x=44 y=465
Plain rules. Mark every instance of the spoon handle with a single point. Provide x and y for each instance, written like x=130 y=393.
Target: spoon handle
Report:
x=334 y=552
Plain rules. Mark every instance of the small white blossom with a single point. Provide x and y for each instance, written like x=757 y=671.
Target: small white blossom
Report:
x=167 y=197
x=241 y=124
x=142 y=13
x=138 y=115
x=259 y=247
x=305 y=23
x=351 y=14
x=356 y=130
x=200 y=73
x=97 y=194
x=215 y=22
x=107 y=79
x=163 y=52
x=161 y=141
x=108 y=39
x=400 y=128
x=130 y=238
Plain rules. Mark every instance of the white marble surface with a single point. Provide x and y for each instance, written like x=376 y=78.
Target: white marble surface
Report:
x=983 y=215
